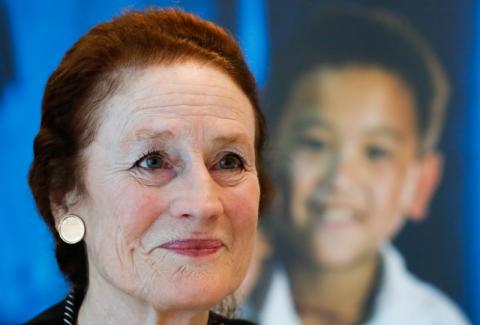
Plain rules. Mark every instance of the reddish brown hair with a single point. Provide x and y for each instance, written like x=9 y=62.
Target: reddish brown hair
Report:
x=87 y=75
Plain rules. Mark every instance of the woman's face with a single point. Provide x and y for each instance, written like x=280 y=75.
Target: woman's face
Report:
x=354 y=164
x=172 y=192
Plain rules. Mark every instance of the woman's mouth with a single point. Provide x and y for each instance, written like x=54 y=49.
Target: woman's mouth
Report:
x=193 y=247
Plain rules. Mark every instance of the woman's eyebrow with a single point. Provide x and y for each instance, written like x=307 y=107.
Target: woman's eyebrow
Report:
x=238 y=138
x=235 y=138
x=153 y=134
x=148 y=135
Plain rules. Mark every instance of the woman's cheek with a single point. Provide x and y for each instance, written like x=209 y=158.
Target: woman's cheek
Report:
x=242 y=211
x=138 y=208
x=245 y=198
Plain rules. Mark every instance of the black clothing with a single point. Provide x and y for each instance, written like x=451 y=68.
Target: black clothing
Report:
x=66 y=312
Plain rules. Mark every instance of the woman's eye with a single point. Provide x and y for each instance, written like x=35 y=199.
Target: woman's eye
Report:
x=230 y=161
x=376 y=153
x=153 y=161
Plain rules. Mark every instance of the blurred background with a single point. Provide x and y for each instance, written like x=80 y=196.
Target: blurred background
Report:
x=443 y=250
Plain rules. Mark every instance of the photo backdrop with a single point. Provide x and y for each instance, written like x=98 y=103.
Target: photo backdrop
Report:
x=34 y=35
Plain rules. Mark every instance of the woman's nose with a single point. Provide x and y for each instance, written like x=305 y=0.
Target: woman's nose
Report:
x=197 y=195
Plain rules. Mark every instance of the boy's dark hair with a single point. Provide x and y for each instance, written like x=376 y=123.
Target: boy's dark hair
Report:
x=344 y=36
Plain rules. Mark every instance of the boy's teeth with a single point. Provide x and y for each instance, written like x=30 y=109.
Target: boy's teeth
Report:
x=337 y=215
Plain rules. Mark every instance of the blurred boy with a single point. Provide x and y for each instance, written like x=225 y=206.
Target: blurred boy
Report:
x=363 y=100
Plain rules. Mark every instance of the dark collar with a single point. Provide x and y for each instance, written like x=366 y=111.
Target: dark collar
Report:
x=66 y=313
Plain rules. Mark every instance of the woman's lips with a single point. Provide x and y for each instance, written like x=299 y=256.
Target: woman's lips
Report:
x=193 y=247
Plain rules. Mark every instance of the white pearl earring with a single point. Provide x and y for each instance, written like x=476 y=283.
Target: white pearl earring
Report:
x=71 y=228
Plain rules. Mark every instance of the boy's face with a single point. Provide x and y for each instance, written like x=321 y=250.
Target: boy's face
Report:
x=354 y=169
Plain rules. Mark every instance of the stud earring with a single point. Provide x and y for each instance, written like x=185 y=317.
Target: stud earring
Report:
x=71 y=228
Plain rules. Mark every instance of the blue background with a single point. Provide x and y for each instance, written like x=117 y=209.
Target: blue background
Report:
x=34 y=35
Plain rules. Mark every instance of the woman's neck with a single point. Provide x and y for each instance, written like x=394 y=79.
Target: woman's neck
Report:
x=336 y=296
x=106 y=304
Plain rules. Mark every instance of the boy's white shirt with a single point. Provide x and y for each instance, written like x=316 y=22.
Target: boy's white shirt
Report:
x=402 y=299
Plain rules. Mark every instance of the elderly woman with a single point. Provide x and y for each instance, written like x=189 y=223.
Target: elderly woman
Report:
x=147 y=170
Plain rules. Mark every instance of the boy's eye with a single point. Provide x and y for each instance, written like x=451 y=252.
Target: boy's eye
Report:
x=313 y=143
x=230 y=161
x=376 y=152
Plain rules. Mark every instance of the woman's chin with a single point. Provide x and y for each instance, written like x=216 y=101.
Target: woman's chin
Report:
x=195 y=294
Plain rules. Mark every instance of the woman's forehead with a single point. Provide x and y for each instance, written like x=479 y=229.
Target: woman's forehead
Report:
x=163 y=95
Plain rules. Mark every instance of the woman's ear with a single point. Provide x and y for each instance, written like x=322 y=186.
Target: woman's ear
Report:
x=427 y=180
x=63 y=205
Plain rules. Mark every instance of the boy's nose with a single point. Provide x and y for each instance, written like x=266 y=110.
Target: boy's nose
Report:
x=344 y=172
